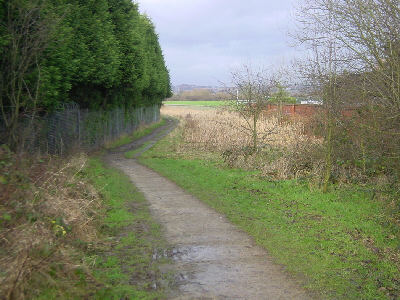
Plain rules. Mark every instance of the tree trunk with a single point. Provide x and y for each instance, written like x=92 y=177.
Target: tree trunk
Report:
x=255 y=132
x=328 y=156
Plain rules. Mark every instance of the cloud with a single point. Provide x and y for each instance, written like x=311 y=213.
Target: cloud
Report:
x=203 y=40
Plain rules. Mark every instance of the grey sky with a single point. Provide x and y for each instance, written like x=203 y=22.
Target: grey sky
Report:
x=203 y=40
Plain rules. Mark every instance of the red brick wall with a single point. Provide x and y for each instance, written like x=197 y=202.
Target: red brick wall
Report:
x=306 y=110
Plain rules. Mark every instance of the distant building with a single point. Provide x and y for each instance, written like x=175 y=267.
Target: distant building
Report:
x=311 y=101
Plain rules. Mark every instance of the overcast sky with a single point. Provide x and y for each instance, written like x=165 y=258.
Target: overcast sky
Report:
x=203 y=40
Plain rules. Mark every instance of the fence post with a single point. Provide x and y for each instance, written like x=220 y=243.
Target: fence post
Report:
x=79 y=126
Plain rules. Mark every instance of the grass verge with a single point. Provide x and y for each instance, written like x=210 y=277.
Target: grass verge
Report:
x=131 y=237
x=137 y=134
x=343 y=243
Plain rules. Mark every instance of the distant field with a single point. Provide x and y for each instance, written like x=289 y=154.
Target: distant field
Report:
x=196 y=103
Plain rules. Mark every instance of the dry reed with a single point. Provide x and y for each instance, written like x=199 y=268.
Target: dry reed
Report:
x=219 y=130
x=46 y=208
x=285 y=150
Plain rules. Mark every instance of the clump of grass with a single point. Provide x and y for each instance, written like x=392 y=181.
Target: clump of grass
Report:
x=45 y=207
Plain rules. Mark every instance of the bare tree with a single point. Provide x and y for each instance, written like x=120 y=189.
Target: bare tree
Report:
x=253 y=90
x=370 y=30
x=319 y=34
x=366 y=54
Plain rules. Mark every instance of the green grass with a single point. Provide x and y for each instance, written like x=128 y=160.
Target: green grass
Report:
x=341 y=243
x=131 y=154
x=196 y=103
x=141 y=132
x=125 y=265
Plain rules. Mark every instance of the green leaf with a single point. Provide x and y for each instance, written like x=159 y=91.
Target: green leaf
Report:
x=3 y=180
x=6 y=217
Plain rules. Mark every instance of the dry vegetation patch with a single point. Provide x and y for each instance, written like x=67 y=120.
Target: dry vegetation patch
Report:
x=285 y=150
x=47 y=211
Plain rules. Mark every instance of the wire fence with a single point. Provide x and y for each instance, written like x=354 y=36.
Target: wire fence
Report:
x=74 y=128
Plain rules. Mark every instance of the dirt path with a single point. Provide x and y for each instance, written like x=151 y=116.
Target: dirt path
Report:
x=214 y=260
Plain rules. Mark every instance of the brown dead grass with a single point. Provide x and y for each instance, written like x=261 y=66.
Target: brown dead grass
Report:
x=219 y=130
x=45 y=209
x=286 y=151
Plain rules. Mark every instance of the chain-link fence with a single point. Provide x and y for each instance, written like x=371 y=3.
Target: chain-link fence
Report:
x=73 y=128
